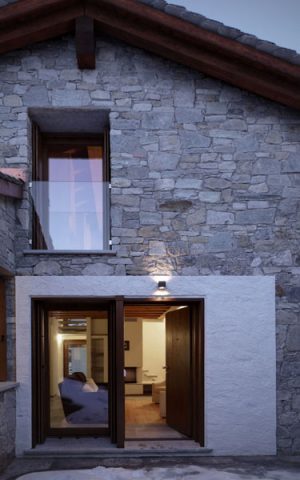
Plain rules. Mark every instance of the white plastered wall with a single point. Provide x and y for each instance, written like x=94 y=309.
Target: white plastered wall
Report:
x=240 y=352
x=154 y=350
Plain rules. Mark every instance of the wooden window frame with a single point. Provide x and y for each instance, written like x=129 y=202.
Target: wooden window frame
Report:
x=40 y=143
x=3 y=336
x=66 y=346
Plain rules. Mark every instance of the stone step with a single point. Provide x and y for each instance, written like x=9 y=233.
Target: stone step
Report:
x=139 y=448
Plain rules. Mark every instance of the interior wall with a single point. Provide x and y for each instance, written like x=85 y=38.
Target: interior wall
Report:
x=154 y=350
x=133 y=332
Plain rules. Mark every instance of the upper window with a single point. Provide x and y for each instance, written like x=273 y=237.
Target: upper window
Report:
x=70 y=193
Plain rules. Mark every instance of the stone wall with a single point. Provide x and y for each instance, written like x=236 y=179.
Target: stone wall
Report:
x=7 y=423
x=8 y=227
x=7 y=233
x=10 y=329
x=205 y=179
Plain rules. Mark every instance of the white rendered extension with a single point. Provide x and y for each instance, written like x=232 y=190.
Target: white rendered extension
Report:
x=240 y=352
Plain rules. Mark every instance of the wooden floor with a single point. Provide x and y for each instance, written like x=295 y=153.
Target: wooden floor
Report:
x=57 y=417
x=143 y=420
x=140 y=410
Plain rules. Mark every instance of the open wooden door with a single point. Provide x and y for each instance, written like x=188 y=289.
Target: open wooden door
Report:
x=179 y=371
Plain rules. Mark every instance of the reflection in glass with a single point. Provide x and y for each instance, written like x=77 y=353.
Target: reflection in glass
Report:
x=78 y=350
x=69 y=201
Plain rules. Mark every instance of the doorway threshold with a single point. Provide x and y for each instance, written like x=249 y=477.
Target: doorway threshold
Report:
x=102 y=447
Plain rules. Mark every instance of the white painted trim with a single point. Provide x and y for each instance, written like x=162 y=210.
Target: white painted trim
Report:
x=240 y=351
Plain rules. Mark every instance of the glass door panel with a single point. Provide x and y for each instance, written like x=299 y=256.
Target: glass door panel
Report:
x=78 y=370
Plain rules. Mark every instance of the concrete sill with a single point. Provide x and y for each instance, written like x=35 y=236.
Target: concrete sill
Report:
x=69 y=252
x=5 y=386
x=118 y=453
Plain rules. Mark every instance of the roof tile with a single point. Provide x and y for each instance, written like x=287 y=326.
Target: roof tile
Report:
x=286 y=54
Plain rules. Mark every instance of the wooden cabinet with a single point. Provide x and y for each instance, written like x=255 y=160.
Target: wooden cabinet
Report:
x=97 y=350
x=99 y=359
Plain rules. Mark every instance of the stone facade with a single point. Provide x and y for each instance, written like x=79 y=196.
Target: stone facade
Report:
x=8 y=225
x=7 y=233
x=7 y=424
x=205 y=179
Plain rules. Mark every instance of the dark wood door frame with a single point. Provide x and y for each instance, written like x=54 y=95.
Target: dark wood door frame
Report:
x=40 y=355
x=40 y=367
x=117 y=374
x=197 y=356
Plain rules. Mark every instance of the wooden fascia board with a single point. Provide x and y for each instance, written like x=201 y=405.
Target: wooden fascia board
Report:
x=11 y=189
x=167 y=43
x=4 y=272
x=196 y=35
x=25 y=10
x=43 y=27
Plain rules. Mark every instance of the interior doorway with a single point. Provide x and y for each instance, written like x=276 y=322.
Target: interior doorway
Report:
x=163 y=360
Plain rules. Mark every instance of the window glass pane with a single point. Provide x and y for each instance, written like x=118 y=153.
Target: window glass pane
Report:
x=69 y=204
x=78 y=367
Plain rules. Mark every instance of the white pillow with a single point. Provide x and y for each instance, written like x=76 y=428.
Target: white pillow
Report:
x=90 y=386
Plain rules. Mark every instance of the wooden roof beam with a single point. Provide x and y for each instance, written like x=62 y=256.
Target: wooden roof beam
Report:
x=29 y=10
x=11 y=189
x=85 y=43
x=42 y=28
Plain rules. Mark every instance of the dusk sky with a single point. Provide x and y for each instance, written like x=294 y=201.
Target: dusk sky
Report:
x=275 y=20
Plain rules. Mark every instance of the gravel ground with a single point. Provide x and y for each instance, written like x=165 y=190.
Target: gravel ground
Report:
x=205 y=468
x=188 y=472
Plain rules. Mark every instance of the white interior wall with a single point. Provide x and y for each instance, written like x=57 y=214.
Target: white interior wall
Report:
x=240 y=351
x=154 y=350
x=133 y=357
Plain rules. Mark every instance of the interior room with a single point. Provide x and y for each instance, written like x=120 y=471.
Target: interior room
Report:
x=78 y=369
x=145 y=340
x=157 y=370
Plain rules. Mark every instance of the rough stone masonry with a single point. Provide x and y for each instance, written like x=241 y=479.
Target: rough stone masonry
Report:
x=205 y=180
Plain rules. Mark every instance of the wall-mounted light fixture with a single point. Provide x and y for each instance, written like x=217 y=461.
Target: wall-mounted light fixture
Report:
x=162 y=285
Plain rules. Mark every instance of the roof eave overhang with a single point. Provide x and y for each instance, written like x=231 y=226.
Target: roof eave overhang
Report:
x=29 y=21
x=11 y=189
